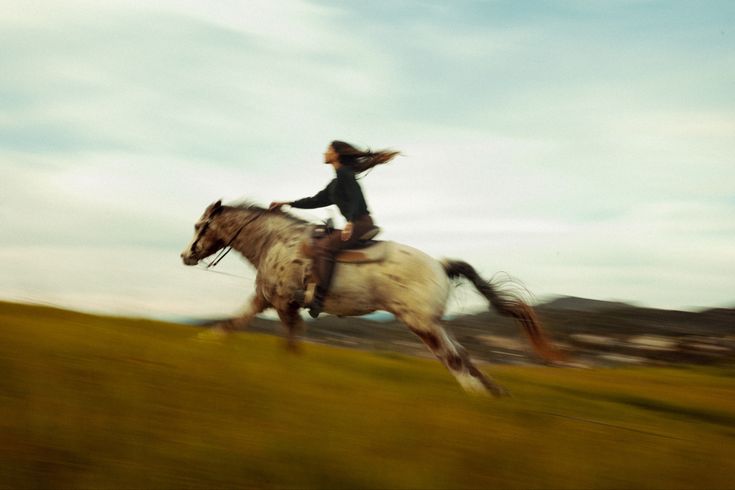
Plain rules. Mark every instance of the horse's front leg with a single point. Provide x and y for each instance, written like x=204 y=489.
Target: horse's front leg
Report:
x=256 y=305
x=294 y=324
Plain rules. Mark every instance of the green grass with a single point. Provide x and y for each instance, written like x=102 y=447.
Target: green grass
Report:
x=95 y=402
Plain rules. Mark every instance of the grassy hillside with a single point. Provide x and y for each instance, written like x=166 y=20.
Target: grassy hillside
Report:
x=97 y=402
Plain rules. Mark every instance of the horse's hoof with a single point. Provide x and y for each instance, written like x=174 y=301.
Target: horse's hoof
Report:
x=294 y=348
x=213 y=334
x=474 y=386
x=500 y=392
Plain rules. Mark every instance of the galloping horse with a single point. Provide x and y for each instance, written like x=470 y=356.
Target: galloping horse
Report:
x=404 y=281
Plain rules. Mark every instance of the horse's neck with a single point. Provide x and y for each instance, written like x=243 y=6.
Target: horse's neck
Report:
x=257 y=236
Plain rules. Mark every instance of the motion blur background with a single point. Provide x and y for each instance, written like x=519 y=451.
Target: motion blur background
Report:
x=584 y=147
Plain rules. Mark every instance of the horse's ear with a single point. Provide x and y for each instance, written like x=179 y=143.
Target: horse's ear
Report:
x=214 y=208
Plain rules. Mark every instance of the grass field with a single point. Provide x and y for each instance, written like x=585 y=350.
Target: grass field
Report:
x=94 y=402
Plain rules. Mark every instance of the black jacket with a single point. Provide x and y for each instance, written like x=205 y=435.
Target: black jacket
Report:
x=344 y=191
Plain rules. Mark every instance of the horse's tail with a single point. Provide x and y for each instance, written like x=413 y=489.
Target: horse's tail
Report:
x=507 y=303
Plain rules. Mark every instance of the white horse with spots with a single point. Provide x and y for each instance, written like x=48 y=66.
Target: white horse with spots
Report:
x=400 y=279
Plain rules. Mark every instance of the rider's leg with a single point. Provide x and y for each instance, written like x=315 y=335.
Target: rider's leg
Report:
x=324 y=263
x=327 y=250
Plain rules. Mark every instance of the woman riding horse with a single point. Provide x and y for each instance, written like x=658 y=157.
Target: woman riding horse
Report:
x=345 y=192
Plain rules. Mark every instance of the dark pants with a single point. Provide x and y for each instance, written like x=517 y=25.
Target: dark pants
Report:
x=328 y=247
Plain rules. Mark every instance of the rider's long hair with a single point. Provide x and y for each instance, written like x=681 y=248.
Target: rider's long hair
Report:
x=361 y=160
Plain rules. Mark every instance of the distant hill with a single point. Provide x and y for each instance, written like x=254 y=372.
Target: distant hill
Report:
x=599 y=332
x=583 y=304
x=595 y=332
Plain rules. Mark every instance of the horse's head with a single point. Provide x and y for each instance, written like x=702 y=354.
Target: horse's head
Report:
x=207 y=237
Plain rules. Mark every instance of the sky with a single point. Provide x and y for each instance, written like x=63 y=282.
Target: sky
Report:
x=586 y=148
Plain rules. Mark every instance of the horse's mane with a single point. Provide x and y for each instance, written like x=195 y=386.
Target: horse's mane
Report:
x=247 y=205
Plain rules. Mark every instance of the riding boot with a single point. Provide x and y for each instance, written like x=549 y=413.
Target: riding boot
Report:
x=317 y=303
x=325 y=269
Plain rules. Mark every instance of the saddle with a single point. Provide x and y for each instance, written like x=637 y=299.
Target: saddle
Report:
x=365 y=250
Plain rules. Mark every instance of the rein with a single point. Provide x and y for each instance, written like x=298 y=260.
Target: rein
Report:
x=226 y=249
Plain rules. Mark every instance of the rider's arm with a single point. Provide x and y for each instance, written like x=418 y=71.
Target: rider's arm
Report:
x=319 y=200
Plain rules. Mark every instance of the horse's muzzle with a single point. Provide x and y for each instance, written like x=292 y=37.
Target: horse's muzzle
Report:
x=189 y=259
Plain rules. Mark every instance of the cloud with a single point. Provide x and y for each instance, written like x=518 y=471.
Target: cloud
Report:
x=176 y=78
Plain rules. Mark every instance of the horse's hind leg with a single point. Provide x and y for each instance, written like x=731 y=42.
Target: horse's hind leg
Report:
x=454 y=357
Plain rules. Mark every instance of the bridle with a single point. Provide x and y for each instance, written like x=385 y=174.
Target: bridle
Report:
x=226 y=249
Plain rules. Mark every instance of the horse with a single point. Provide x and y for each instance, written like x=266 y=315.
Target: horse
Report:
x=404 y=281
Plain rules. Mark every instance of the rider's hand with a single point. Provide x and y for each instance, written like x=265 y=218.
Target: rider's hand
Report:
x=276 y=205
x=347 y=232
